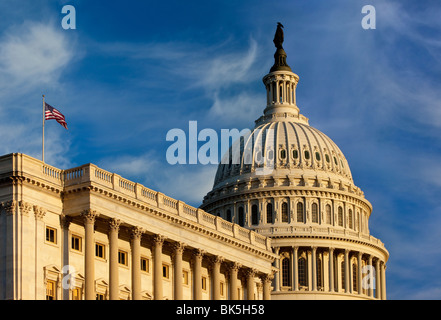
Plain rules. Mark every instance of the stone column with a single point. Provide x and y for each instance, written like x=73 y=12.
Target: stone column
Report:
x=295 y=272
x=250 y=283
x=359 y=275
x=197 y=274
x=113 y=259
x=376 y=281
x=158 y=241
x=89 y=217
x=314 y=268
x=216 y=263
x=178 y=249
x=135 y=237
x=347 y=270
x=277 y=266
x=331 y=269
x=39 y=240
x=233 y=269
x=266 y=283
x=383 y=281
x=65 y=222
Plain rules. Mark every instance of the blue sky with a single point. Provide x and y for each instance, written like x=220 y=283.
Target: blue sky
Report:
x=133 y=70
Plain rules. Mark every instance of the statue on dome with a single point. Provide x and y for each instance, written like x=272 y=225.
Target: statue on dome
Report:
x=278 y=37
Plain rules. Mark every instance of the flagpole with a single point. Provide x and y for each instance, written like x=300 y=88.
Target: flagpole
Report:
x=43 y=130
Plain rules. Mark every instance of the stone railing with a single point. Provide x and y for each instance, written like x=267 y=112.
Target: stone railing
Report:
x=92 y=175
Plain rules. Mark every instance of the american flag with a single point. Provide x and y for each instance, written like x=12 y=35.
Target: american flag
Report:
x=53 y=114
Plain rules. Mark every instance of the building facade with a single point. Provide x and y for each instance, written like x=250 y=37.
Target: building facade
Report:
x=85 y=233
x=290 y=182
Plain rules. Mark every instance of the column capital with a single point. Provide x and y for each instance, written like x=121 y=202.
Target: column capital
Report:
x=25 y=208
x=158 y=239
x=89 y=215
x=251 y=272
x=234 y=266
x=136 y=233
x=217 y=260
x=178 y=247
x=10 y=207
x=266 y=277
x=39 y=213
x=65 y=221
x=114 y=224
x=198 y=253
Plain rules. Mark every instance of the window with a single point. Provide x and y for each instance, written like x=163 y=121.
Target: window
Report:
x=314 y=210
x=340 y=216
x=241 y=217
x=350 y=219
x=100 y=296
x=327 y=158
x=283 y=154
x=99 y=250
x=50 y=290
x=299 y=212
x=122 y=258
x=229 y=215
x=51 y=235
x=285 y=272
x=319 y=273
x=284 y=212
x=254 y=215
x=185 y=277
x=76 y=294
x=166 y=271
x=307 y=155
x=76 y=243
x=302 y=272
x=145 y=265
x=269 y=213
x=295 y=154
x=354 y=278
x=328 y=214
x=204 y=283
x=317 y=156
x=343 y=274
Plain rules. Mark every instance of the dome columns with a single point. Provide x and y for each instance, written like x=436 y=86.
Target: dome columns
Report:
x=281 y=92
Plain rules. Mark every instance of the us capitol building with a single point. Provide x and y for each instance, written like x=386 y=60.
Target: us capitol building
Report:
x=284 y=220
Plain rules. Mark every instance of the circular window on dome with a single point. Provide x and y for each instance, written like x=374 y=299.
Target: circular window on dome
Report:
x=282 y=154
x=307 y=155
x=317 y=156
x=295 y=154
x=270 y=155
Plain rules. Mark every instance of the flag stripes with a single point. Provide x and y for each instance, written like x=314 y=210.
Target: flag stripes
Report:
x=53 y=114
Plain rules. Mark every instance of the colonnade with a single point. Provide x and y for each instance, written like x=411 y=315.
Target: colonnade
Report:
x=198 y=254
x=330 y=270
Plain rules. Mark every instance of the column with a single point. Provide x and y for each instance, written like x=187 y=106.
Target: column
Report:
x=347 y=274
x=374 y=279
x=233 y=269
x=359 y=275
x=178 y=249
x=135 y=237
x=40 y=293
x=277 y=266
x=197 y=274
x=314 y=268
x=89 y=217
x=377 y=279
x=216 y=264
x=266 y=284
x=158 y=241
x=331 y=269
x=383 y=281
x=113 y=259
x=250 y=283
x=295 y=272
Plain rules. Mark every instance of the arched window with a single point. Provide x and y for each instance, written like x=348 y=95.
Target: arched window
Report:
x=283 y=154
x=295 y=154
x=314 y=210
x=284 y=212
x=269 y=213
x=241 y=217
x=328 y=214
x=340 y=216
x=354 y=278
x=254 y=215
x=303 y=279
x=299 y=212
x=350 y=219
x=229 y=215
x=285 y=272
x=319 y=273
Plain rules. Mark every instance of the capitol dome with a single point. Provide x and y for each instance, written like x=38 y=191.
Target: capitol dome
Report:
x=290 y=182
